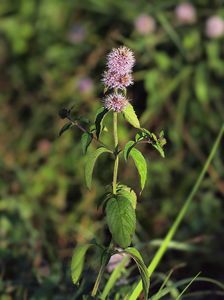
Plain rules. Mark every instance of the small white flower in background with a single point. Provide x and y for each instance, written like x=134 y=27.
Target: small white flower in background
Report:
x=186 y=13
x=85 y=85
x=145 y=24
x=214 y=27
x=114 y=261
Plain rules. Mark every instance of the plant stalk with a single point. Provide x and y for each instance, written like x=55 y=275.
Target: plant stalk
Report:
x=114 y=184
x=116 y=162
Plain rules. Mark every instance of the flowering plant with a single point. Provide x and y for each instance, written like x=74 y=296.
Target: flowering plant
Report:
x=120 y=201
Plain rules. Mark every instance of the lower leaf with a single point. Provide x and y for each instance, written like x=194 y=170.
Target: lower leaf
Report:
x=121 y=220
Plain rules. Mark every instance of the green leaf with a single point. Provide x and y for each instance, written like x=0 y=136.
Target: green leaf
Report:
x=64 y=128
x=141 y=267
x=128 y=193
x=140 y=164
x=121 y=220
x=159 y=148
x=130 y=116
x=77 y=264
x=128 y=148
x=90 y=163
x=99 y=120
x=86 y=141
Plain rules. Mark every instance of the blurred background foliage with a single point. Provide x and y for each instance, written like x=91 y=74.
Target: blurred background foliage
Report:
x=52 y=55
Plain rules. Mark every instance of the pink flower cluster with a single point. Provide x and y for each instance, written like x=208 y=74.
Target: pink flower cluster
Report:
x=186 y=13
x=145 y=24
x=115 y=102
x=118 y=75
x=214 y=27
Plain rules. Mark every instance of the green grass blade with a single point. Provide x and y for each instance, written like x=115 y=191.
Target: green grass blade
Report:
x=171 y=32
x=159 y=254
x=189 y=284
x=179 y=246
x=166 y=280
x=186 y=281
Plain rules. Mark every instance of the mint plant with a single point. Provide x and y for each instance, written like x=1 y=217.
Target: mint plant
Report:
x=119 y=203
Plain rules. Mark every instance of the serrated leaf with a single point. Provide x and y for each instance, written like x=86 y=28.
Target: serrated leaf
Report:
x=121 y=220
x=128 y=193
x=130 y=116
x=90 y=163
x=128 y=148
x=140 y=164
x=77 y=263
x=134 y=253
x=99 y=120
x=86 y=140
x=64 y=128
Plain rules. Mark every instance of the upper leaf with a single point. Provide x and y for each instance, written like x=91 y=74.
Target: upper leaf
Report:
x=121 y=220
x=134 y=253
x=130 y=116
x=141 y=165
x=78 y=261
x=91 y=159
x=99 y=120
x=85 y=141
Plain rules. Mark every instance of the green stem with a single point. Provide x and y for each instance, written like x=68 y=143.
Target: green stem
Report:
x=114 y=184
x=116 y=162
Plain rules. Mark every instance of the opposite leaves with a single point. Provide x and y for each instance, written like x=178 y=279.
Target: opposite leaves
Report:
x=121 y=220
x=90 y=163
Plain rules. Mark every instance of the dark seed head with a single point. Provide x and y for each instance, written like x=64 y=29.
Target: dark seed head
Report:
x=63 y=113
